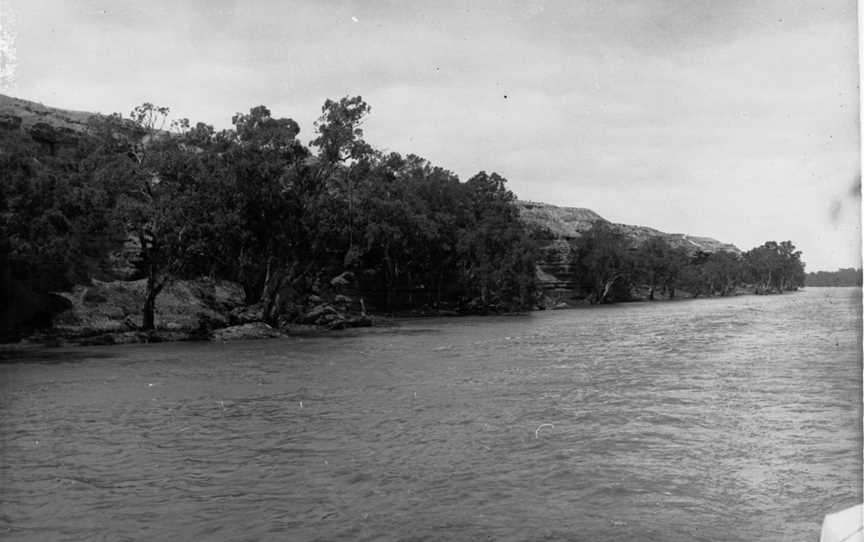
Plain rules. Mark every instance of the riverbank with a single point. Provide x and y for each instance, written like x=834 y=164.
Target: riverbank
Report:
x=108 y=313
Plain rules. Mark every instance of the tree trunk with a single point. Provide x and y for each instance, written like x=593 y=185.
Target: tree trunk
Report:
x=273 y=281
x=389 y=277
x=148 y=318
x=606 y=288
x=350 y=211
x=272 y=298
x=251 y=293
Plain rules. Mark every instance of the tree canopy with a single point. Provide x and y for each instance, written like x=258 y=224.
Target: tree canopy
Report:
x=254 y=205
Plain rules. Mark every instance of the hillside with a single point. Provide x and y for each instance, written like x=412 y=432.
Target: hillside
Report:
x=549 y=222
x=433 y=244
x=24 y=114
x=557 y=228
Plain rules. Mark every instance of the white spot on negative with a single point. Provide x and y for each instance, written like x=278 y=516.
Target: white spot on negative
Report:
x=8 y=48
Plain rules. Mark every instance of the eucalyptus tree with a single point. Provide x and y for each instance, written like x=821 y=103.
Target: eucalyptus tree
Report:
x=341 y=146
x=155 y=186
x=603 y=263
x=775 y=267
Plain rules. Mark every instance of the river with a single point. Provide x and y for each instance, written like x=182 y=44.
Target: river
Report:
x=719 y=419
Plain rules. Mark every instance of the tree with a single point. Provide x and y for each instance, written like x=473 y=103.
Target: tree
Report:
x=341 y=145
x=603 y=264
x=153 y=183
x=496 y=257
x=50 y=225
x=723 y=271
x=266 y=194
x=340 y=136
x=793 y=275
x=775 y=267
x=251 y=204
x=657 y=264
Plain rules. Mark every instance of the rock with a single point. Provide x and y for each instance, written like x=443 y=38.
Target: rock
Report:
x=313 y=299
x=113 y=307
x=327 y=319
x=556 y=230
x=320 y=315
x=54 y=140
x=354 y=321
x=10 y=122
x=245 y=315
x=342 y=280
x=343 y=300
x=255 y=330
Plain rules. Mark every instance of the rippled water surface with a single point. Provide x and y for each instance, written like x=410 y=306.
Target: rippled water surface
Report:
x=721 y=419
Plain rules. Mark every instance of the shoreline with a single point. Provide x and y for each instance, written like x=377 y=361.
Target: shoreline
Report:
x=258 y=330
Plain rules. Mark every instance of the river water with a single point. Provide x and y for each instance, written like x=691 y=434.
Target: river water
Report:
x=718 y=419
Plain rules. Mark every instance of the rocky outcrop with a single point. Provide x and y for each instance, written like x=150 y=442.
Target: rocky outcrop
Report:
x=328 y=316
x=114 y=307
x=109 y=312
x=556 y=230
x=55 y=141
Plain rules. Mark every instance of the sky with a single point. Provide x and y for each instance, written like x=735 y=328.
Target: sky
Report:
x=737 y=120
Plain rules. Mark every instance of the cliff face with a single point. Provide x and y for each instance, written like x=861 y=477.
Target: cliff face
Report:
x=556 y=230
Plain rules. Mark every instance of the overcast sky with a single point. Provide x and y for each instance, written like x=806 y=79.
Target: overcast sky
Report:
x=737 y=120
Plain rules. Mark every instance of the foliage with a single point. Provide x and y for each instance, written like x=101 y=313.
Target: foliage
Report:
x=252 y=204
x=775 y=267
x=340 y=136
x=658 y=265
x=609 y=270
x=722 y=272
x=604 y=264
x=151 y=185
x=53 y=228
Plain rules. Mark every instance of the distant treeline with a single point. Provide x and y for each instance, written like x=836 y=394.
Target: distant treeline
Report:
x=611 y=269
x=842 y=277
x=254 y=205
